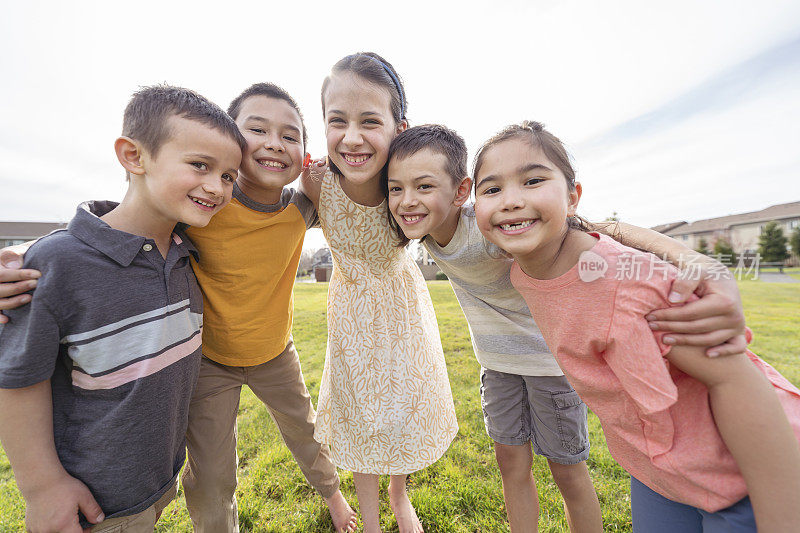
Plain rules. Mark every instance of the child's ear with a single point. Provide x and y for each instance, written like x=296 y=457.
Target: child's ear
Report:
x=573 y=198
x=402 y=126
x=462 y=193
x=129 y=154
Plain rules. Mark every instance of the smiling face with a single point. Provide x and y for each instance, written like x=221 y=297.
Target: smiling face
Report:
x=191 y=177
x=274 y=154
x=359 y=127
x=423 y=198
x=522 y=200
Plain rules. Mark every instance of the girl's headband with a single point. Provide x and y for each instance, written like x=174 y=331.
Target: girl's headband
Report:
x=394 y=79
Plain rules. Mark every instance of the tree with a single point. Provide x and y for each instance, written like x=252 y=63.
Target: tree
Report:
x=702 y=246
x=772 y=243
x=794 y=241
x=306 y=262
x=724 y=252
x=613 y=218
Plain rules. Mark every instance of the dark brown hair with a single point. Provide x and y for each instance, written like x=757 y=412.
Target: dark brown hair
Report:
x=376 y=70
x=438 y=139
x=146 y=115
x=538 y=137
x=270 y=90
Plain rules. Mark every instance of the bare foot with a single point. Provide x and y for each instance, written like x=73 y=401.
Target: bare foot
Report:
x=344 y=518
x=404 y=513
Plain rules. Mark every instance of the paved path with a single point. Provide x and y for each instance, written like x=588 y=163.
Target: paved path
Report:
x=777 y=277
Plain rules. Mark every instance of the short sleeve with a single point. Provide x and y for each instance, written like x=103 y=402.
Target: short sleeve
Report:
x=636 y=353
x=307 y=210
x=29 y=342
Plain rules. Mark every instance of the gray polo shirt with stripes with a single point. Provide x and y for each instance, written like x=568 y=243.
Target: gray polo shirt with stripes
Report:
x=116 y=329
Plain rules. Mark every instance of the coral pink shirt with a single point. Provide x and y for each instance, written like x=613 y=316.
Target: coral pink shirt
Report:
x=656 y=419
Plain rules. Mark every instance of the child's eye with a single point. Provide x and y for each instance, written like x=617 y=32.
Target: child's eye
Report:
x=335 y=120
x=394 y=189
x=199 y=165
x=491 y=190
x=228 y=177
x=290 y=138
x=257 y=130
x=533 y=181
x=425 y=186
x=372 y=122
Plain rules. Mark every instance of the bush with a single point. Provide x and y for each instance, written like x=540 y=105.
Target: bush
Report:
x=723 y=252
x=441 y=275
x=794 y=241
x=702 y=246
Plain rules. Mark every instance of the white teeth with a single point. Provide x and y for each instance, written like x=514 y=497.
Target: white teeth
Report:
x=356 y=159
x=201 y=202
x=412 y=218
x=516 y=225
x=272 y=164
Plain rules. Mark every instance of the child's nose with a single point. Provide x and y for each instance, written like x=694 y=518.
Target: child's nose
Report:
x=352 y=136
x=273 y=142
x=511 y=200
x=213 y=188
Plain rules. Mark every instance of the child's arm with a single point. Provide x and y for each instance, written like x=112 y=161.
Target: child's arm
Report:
x=716 y=320
x=52 y=496
x=15 y=281
x=311 y=180
x=754 y=427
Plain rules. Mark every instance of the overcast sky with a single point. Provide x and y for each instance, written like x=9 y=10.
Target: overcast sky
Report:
x=677 y=113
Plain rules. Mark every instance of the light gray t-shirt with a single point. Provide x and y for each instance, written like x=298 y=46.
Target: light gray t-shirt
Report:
x=504 y=336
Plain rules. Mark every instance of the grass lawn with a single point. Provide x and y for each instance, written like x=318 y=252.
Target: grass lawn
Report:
x=462 y=491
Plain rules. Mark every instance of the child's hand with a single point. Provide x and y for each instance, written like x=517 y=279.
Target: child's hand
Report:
x=14 y=281
x=315 y=170
x=311 y=179
x=716 y=320
x=55 y=507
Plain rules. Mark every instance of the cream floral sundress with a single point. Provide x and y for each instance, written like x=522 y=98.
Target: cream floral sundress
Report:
x=385 y=405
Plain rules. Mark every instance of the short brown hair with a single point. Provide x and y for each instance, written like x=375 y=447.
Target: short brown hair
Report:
x=270 y=90
x=146 y=115
x=438 y=139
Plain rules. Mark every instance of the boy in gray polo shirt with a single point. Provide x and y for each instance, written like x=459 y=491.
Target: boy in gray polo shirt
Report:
x=97 y=372
x=525 y=396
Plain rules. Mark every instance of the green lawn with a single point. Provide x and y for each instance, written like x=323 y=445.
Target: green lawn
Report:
x=462 y=491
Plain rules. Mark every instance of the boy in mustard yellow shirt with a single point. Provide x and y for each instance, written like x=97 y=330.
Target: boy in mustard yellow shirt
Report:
x=246 y=270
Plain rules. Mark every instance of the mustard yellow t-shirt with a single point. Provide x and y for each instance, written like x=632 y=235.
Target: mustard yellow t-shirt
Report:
x=249 y=254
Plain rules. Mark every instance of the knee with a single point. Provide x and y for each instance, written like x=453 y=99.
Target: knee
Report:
x=208 y=483
x=569 y=477
x=513 y=461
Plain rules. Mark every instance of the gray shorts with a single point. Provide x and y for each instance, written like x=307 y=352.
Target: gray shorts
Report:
x=543 y=410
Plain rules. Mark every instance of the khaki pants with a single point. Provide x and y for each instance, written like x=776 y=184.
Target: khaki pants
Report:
x=209 y=479
x=143 y=522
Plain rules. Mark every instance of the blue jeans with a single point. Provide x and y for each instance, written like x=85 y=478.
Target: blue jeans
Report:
x=653 y=513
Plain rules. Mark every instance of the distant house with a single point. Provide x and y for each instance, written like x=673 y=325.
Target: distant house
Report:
x=12 y=233
x=741 y=231
x=322 y=265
